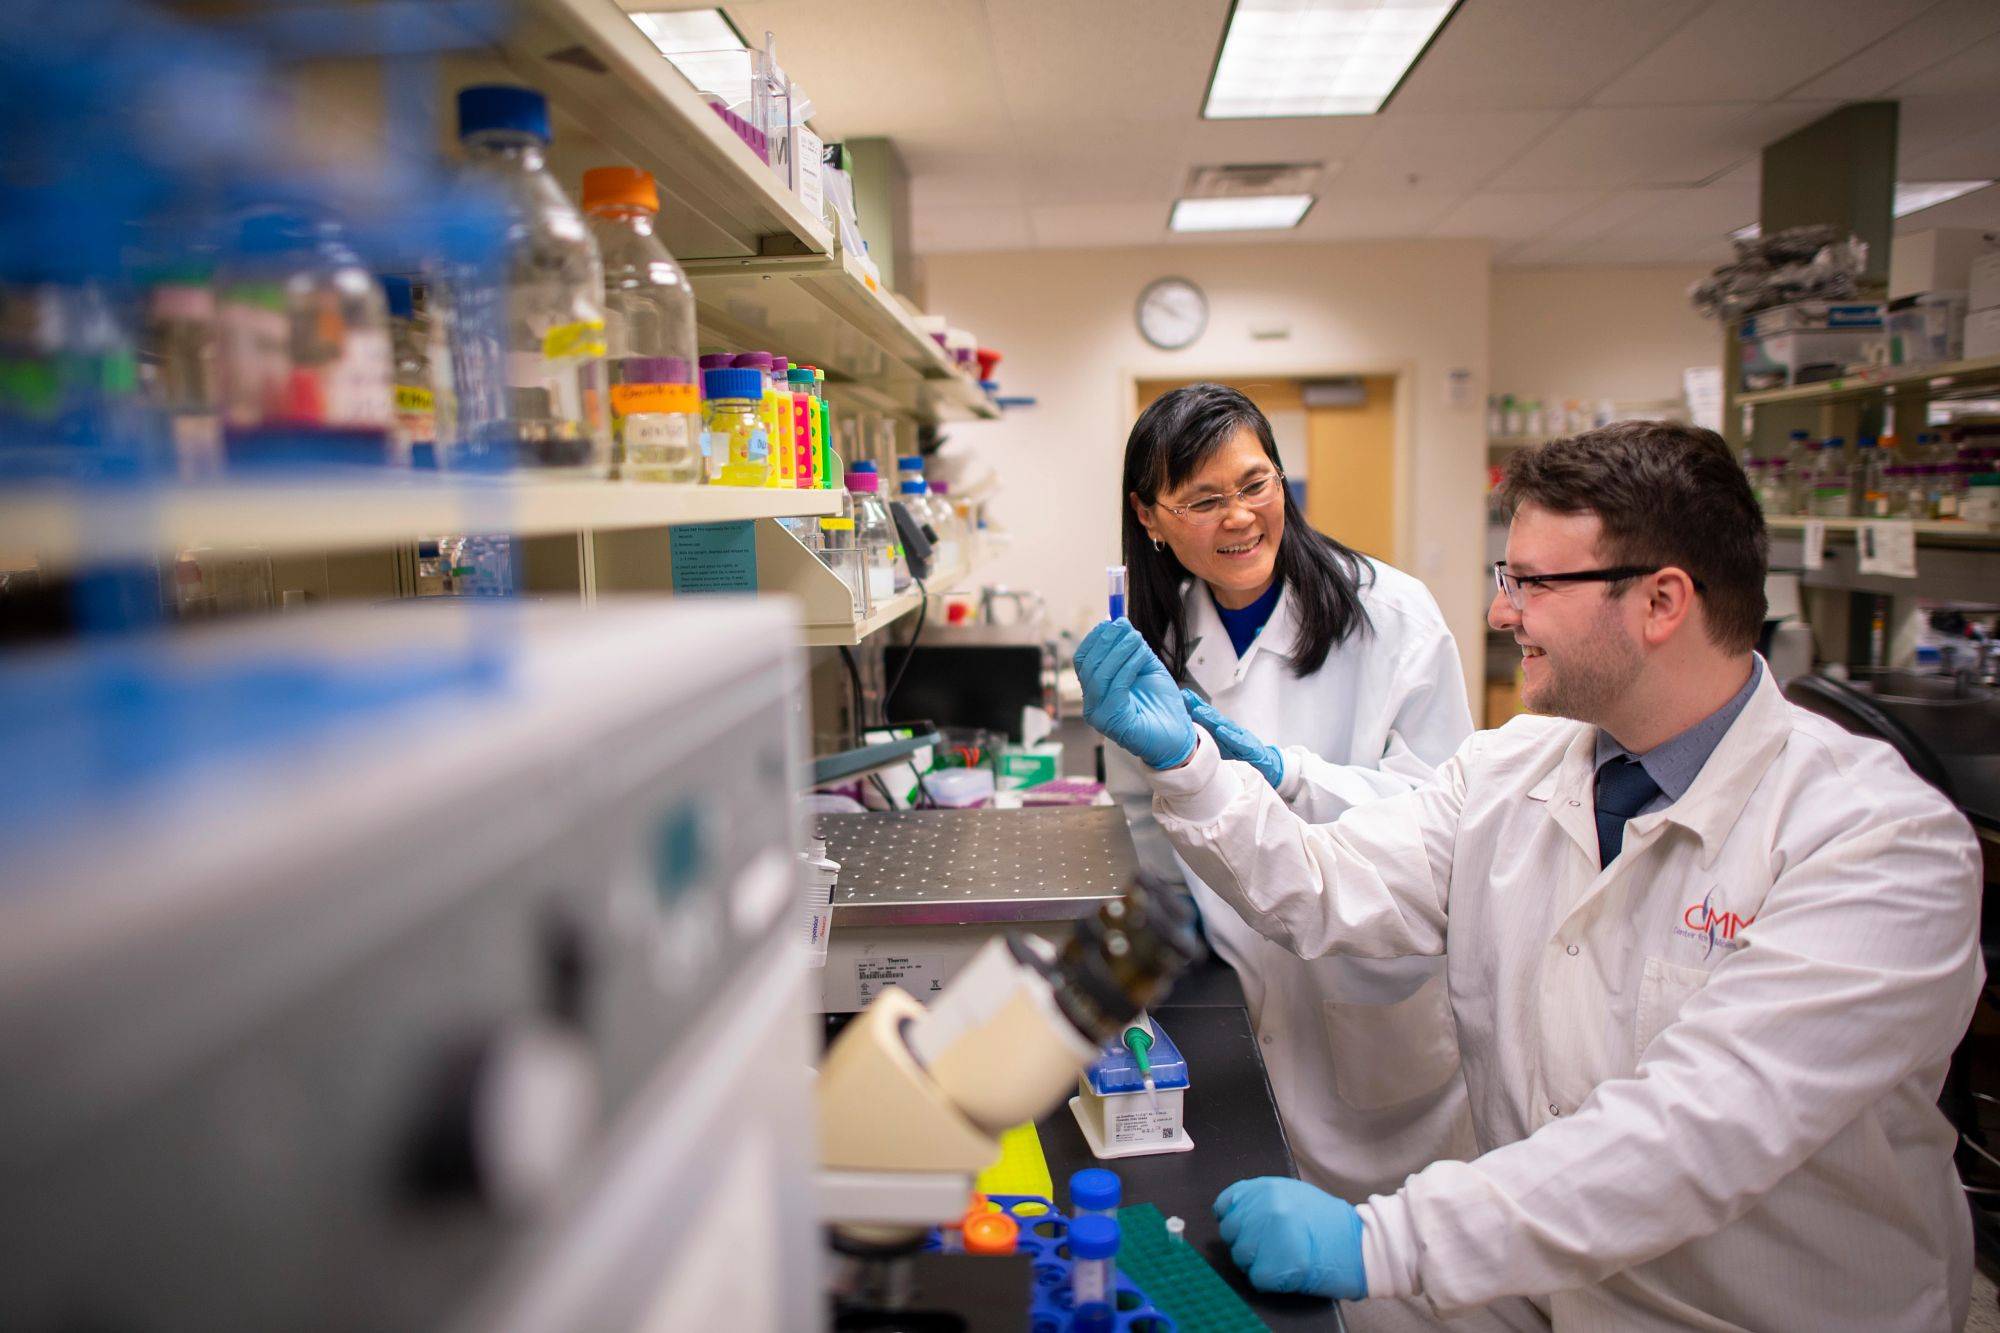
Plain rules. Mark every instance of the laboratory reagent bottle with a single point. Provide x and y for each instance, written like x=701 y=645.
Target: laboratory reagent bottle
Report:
x=648 y=332
x=547 y=408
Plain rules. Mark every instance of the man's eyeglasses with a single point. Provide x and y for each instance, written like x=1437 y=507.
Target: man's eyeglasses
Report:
x=1515 y=586
x=1257 y=494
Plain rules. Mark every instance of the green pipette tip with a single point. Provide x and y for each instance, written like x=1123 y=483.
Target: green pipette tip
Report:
x=1139 y=1042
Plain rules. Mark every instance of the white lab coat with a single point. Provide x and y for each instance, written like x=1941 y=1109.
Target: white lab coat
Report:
x=1703 y=1079
x=1361 y=1054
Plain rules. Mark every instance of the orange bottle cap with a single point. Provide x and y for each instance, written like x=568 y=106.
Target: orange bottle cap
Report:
x=614 y=186
x=991 y=1233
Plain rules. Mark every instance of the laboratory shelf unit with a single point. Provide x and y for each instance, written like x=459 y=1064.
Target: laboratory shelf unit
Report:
x=1929 y=532
x=826 y=311
x=835 y=634
x=61 y=526
x=1933 y=380
x=868 y=759
x=608 y=82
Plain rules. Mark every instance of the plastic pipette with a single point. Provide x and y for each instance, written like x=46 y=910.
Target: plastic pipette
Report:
x=1139 y=1041
x=1115 y=576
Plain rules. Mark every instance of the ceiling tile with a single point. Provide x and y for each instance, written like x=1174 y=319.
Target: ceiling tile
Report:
x=1976 y=157
x=938 y=231
x=1329 y=139
x=1104 y=61
x=1506 y=217
x=1343 y=214
x=1443 y=150
x=1690 y=216
x=1974 y=70
x=1928 y=125
x=964 y=180
x=1555 y=53
x=1609 y=147
x=1621 y=249
x=1067 y=226
x=1934 y=36
x=1752 y=50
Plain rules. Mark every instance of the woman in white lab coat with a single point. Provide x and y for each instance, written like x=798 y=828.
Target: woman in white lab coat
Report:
x=1334 y=676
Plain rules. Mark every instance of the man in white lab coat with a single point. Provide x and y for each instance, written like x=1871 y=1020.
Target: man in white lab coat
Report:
x=1708 y=954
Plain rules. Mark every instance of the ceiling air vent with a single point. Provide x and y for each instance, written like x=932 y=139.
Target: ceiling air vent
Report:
x=1248 y=180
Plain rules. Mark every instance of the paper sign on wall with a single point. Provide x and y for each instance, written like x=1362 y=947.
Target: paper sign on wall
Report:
x=1813 y=537
x=1887 y=547
x=714 y=557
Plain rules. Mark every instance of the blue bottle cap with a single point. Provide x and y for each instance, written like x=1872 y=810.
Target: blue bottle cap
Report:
x=865 y=465
x=910 y=462
x=1093 y=1190
x=1093 y=1238
x=732 y=383
x=913 y=487
x=401 y=295
x=502 y=106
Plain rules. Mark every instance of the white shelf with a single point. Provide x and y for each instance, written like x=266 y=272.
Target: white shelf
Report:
x=847 y=636
x=60 y=525
x=1939 y=532
x=1936 y=378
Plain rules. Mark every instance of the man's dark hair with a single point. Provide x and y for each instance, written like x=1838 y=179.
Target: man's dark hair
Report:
x=1667 y=494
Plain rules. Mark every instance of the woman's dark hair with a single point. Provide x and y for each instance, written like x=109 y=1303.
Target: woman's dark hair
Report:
x=1169 y=443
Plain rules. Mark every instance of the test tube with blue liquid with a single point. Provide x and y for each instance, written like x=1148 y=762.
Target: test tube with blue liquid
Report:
x=1115 y=576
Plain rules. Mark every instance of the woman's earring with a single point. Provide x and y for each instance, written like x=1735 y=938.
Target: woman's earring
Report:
x=1159 y=545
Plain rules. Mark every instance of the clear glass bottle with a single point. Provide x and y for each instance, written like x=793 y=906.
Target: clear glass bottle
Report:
x=304 y=365
x=735 y=420
x=875 y=534
x=1828 y=482
x=552 y=411
x=424 y=401
x=1863 y=478
x=177 y=365
x=648 y=331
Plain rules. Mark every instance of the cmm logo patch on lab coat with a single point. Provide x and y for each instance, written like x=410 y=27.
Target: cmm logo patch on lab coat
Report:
x=1712 y=926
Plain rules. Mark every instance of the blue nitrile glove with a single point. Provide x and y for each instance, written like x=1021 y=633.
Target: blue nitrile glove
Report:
x=1129 y=697
x=1289 y=1236
x=1237 y=741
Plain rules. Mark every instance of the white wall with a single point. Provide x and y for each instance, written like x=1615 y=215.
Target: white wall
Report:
x=1622 y=333
x=1064 y=319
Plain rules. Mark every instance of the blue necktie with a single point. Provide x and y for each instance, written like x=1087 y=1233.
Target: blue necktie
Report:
x=1623 y=789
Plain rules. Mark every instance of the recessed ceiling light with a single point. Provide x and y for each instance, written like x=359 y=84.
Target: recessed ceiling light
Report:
x=1318 y=57
x=1916 y=196
x=1269 y=212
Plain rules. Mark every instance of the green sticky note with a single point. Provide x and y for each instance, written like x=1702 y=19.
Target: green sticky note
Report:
x=714 y=557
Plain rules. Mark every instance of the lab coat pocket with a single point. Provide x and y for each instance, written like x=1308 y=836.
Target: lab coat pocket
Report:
x=1663 y=988
x=1386 y=1054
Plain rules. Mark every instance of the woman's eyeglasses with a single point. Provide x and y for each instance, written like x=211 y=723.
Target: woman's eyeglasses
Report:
x=1257 y=494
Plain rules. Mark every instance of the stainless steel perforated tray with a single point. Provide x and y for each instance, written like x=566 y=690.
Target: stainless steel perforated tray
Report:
x=957 y=867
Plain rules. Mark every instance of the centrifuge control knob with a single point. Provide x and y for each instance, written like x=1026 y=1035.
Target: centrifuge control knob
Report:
x=515 y=1118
